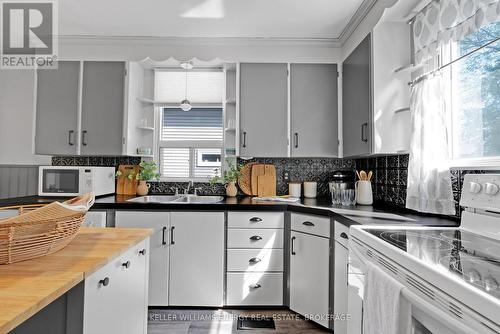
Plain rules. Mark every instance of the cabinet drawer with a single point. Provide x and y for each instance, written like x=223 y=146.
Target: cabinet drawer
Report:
x=255 y=238
x=311 y=224
x=255 y=220
x=249 y=260
x=254 y=289
x=341 y=234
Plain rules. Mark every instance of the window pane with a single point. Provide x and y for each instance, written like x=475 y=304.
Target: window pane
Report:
x=208 y=162
x=175 y=162
x=202 y=87
x=196 y=124
x=476 y=96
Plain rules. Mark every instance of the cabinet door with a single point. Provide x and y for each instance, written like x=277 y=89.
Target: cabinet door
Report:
x=197 y=259
x=158 y=249
x=57 y=109
x=309 y=275
x=263 y=110
x=314 y=110
x=102 y=107
x=356 y=101
x=340 y=289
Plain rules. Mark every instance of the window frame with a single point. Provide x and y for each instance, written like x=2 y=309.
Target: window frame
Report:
x=447 y=54
x=191 y=144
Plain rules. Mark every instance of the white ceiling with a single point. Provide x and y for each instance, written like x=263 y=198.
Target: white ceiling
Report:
x=207 y=18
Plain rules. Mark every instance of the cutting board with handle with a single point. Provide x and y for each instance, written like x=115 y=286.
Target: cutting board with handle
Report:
x=257 y=170
x=266 y=183
x=125 y=186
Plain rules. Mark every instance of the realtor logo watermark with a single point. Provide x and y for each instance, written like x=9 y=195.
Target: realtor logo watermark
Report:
x=28 y=34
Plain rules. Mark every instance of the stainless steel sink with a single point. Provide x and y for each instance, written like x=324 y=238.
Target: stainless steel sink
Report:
x=177 y=199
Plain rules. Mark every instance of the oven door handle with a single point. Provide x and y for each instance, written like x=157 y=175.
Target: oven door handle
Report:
x=435 y=312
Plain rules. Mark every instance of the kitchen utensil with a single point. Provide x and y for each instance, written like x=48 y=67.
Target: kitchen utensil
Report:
x=245 y=179
x=310 y=189
x=294 y=189
x=266 y=183
x=125 y=185
x=357 y=174
x=364 y=193
x=370 y=174
x=363 y=175
x=348 y=197
x=257 y=169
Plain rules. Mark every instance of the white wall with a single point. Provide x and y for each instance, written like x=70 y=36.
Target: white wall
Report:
x=17 y=119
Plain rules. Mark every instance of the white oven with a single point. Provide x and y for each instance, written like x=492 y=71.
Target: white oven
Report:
x=75 y=180
x=428 y=316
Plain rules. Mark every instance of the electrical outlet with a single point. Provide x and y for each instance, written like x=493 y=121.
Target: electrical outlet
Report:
x=286 y=175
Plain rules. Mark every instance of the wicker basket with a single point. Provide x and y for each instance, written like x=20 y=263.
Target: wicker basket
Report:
x=39 y=230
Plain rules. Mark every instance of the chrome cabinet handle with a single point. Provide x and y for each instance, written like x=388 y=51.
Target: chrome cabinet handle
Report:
x=126 y=264
x=142 y=251
x=308 y=224
x=255 y=219
x=256 y=238
x=292 y=246
x=364 y=127
x=172 y=235
x=84 y=139
x=104 y=282
x=296 y=140
x=254 y=260
x=244 y=139
x=71 y=134
x=344 y=235
x=255 y=286
x=163 y=241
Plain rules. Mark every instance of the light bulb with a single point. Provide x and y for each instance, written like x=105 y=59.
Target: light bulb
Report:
x=185 y=105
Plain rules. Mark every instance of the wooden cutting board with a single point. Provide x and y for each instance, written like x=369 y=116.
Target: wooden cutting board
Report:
x=124 y=186
x=266 y=183
x=257 y=170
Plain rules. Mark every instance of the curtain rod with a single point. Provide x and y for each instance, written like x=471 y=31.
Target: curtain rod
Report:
x=426 y=75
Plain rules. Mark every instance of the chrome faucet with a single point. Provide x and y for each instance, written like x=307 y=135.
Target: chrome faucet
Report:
x=188 y=189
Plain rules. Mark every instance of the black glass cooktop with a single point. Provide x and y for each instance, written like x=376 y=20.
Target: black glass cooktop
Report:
x=474 y=258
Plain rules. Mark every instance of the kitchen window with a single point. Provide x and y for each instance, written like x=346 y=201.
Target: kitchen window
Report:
x=475 y=98
x=190 y=142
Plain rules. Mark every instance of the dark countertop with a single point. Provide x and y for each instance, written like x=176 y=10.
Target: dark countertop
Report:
x=365 y=215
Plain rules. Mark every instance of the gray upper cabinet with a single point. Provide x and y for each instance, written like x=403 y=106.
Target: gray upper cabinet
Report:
x=263 y=110
x=94 y=92
x=356 y=100
x=57 y=109
x=102 y=107
x=314 y=110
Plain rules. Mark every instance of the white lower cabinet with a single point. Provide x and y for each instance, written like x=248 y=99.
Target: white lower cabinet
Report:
x=159 y=249
x=309 y=276
x=115 y=296
x=196 y=259
x=341 y=288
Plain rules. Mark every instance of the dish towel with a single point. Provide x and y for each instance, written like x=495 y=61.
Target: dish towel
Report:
x=384 y=311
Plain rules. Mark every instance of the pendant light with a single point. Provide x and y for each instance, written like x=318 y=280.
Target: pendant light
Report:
x=185 y=104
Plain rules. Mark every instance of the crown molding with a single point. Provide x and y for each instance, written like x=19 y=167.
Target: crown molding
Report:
x=197 y=41
x=356 y=19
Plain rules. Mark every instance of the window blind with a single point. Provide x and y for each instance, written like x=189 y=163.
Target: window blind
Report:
x=175 y=162
x=198 y=124
x=202 y=86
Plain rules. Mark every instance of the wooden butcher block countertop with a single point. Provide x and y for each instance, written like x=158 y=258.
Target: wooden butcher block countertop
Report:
x=27 y=287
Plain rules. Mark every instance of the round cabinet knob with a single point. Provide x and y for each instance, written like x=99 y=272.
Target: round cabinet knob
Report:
x=474 y=187
x=104 y=282
x=491 y=189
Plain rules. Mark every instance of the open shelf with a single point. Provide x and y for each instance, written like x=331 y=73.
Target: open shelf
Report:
x=230 y=129
x=230 y=101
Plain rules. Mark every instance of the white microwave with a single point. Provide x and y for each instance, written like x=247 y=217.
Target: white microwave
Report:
x=75 y=180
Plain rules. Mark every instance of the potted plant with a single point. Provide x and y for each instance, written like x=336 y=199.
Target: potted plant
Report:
x=148 y=171
x=229 y=178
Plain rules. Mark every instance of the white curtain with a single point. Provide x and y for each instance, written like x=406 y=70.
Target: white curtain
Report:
x=443 y=21
x=429 y=180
